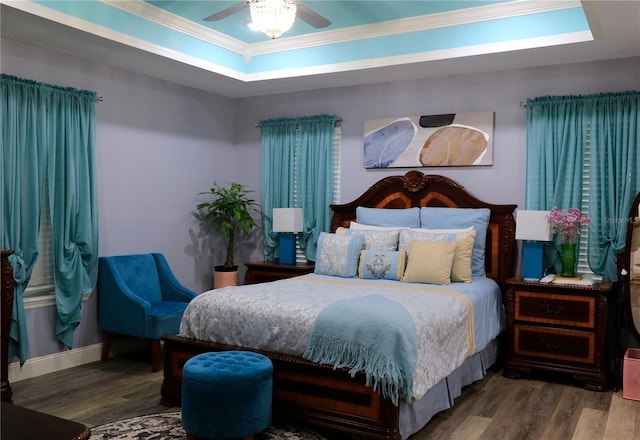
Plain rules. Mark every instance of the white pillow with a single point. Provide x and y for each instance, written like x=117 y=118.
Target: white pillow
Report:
x=360 y=226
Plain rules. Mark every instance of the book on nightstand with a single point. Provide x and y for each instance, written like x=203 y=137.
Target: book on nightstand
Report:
x=578 y=279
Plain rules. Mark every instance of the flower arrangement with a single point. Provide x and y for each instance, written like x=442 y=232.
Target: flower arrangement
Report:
x=567 y=223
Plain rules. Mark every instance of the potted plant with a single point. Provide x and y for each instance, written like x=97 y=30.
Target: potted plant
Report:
x=229 y=212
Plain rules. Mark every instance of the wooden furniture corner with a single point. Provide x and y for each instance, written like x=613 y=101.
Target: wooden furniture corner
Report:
x=558 y=328
x=265 y=271
x=6 y=290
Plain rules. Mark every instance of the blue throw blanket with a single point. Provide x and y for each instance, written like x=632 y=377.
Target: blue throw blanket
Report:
x=371 y=334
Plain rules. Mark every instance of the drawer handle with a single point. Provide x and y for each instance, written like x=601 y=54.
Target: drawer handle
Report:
x=555 y=345
x=553 y=310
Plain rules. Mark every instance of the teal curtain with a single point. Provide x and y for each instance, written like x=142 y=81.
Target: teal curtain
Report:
x=557 y=130
x=48 y=136
x=73 y=202
x=22 y=164
x=303 y=146
x=555 y=149
x=615 y=137
x=315 y=178
x=278 y=143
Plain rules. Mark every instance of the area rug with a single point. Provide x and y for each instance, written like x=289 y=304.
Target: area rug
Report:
x=168 y=426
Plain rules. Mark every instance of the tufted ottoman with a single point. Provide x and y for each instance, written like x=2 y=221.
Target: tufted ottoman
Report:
x=226 y=395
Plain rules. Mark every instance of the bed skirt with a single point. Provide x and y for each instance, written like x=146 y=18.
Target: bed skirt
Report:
x=413 y=417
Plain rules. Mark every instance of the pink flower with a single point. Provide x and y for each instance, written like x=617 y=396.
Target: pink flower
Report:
x=567 y=223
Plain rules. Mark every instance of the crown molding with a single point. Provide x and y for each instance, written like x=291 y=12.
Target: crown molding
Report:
x=177 y=23
x=477 y=14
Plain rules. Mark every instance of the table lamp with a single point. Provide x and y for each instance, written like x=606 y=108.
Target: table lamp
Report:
x=533 y=228
x=287 y=221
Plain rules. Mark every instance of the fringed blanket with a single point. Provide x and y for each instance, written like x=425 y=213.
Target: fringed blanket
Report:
x=371 y=334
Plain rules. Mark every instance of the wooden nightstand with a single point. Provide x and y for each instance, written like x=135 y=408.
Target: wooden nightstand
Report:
x=265 y=271
x=558 y=328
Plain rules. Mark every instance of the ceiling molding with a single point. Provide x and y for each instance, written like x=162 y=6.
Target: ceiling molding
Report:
x=177 y=23
x=477 y=14
x=434 y=55
x=118 y=37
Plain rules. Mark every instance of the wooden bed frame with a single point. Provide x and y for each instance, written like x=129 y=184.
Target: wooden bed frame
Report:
x=318 y=394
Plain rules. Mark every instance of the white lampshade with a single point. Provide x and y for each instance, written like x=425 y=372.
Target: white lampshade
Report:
x=532 y=225
x=287 y=220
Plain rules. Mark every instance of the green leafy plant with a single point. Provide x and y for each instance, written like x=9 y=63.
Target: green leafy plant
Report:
x=229 y=212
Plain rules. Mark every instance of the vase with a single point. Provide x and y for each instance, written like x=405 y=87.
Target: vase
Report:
x=568 y=259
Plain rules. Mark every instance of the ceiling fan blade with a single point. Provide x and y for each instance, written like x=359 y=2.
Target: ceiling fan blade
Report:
x=227 y=12
x=312 y=17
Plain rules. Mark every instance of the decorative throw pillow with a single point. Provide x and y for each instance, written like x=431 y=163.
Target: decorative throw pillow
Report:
x=431 y=217
x=406 y=235
x=429 y=262
x=338 y=255
x=461 y=268
x=379 y=240
x=382 y=265
x=386 y=240
x=353 y=225
x=405 y=218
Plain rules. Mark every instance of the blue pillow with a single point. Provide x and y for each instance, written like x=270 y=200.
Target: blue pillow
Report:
x=382 y=265
x=406 y=218
x=441 y=218
x=338 y=255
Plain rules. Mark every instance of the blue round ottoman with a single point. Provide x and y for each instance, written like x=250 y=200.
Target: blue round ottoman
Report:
x=226 y=395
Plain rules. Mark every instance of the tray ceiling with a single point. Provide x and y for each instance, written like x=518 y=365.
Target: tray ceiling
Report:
x=366 y=42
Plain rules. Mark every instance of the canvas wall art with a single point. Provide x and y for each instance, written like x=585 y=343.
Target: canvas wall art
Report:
x=454 y=139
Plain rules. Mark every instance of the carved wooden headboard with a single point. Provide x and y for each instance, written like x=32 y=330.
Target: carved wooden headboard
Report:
x=416 y=189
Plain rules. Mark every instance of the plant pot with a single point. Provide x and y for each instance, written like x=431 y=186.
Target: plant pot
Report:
x=224 y=276
x=568 y=259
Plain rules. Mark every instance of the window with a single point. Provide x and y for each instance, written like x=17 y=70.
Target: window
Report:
x=41 y=283
x=337 y=135
x=583 y=263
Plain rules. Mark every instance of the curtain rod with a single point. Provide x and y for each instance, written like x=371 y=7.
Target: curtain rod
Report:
x=523 y=104
x=338 y=122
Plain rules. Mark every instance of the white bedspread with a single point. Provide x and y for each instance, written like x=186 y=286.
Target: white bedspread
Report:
x=279 y=316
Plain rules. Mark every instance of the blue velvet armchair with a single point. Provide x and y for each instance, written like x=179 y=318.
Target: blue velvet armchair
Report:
x=138 y=295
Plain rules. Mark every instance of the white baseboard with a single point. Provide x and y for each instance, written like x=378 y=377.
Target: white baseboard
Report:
x=67 y=359
x=54 y=362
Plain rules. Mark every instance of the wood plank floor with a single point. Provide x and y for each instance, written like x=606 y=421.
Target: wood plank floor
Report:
x=493 y=408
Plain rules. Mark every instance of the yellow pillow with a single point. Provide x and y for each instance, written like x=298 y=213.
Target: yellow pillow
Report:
x=461 y=269
x=429 y=262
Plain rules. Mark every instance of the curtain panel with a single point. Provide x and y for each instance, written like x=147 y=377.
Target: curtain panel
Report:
x=297 y=171
x=48 y=141
x=558 y=128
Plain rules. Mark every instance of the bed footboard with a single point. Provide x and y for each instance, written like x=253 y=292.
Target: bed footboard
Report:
x=302 y=391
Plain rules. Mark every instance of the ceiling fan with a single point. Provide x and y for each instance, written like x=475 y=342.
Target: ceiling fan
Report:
x=303 y=12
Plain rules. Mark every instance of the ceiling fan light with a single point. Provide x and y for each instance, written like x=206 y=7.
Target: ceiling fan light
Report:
x=273 y=17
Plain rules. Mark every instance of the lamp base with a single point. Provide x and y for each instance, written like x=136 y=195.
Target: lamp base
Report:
x=532 y=265
x=287 y=248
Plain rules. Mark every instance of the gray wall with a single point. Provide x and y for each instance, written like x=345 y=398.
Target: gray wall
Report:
x=159 y=144
x=499 y=92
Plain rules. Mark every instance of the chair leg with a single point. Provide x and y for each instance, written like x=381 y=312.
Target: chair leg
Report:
x=106 y=346
x=155 y=355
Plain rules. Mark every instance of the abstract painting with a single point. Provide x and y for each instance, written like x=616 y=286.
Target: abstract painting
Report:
x=453 y=139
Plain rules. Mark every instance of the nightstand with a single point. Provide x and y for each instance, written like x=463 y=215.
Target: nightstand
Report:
x=558 y=328
x=265 y=271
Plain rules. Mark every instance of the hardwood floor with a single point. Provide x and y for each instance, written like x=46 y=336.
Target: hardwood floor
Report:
x=493 y=408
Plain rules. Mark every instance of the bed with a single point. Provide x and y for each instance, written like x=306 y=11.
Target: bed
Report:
x=337 y=398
